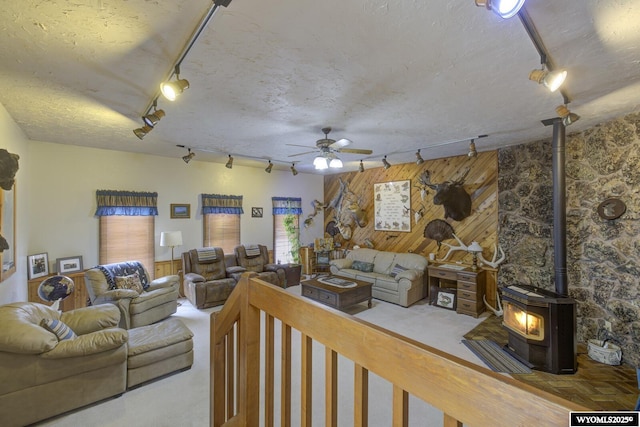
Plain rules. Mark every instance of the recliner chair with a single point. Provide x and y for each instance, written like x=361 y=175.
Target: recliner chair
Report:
x=207 y=283
x=115 y=283
x=256 y=258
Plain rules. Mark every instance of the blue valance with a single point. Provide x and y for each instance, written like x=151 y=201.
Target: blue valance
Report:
x=221 y=204
x=126 y=203
x=287 y=205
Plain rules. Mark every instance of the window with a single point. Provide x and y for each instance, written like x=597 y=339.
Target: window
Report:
x=221 y=215
x=286 y=229
x=222 y=230
x=127 y=227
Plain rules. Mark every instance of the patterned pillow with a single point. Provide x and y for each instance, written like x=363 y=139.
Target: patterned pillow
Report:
x=365 y=267
x=60 y=329
x=129 y=282
x=397 y=269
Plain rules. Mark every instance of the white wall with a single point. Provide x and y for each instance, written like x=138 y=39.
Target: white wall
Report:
x=15 y=141
x=57 y=198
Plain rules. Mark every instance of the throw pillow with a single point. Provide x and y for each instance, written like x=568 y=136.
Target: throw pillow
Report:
x=59 y=328
x=365 y=267
x=129 y=282
x=397 y=269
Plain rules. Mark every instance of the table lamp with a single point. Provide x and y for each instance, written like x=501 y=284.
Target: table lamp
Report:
x=171 y=239
x=475 y=249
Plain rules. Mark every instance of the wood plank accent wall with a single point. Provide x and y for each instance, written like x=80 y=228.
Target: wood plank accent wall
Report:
x=481 y=184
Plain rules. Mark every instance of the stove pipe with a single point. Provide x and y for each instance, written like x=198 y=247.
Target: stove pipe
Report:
x=559 y=208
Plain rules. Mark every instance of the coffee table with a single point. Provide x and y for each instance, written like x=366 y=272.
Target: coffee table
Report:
x=334 y=296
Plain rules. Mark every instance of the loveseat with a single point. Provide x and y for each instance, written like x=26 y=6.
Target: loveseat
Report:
x=207 y=282
x=399 y=278
x=42 y=376
x=127 y=285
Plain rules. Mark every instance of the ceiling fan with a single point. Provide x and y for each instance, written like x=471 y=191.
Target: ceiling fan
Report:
x=328 y=149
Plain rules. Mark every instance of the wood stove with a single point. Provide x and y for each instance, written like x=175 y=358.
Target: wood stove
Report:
x=542 y=328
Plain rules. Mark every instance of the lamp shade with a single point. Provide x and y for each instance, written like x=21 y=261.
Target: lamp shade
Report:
x=474 y=247
x=171 y=238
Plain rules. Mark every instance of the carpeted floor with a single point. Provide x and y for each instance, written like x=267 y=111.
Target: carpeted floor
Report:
x=595 y=385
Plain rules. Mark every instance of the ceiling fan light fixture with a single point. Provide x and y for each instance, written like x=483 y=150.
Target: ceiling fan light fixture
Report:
x=567 y=116
x=293 y=169
x=503 y=8
x=229 y=164
x=335 y=163
x=361 y=167
x=552 y=80
x=143 y=131
x=419 y=159
x=385 y=163
x=320 y=163
x=269 y=167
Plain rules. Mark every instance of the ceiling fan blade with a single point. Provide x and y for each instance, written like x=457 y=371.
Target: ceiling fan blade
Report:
x=297 y=145
x=341 y=143
x=302 y=154
x=354 y=151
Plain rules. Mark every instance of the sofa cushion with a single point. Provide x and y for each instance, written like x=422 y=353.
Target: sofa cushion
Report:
x=92 y=343
x=131 y=281
x=59 y=328
x=384 y=262
x=366 y=267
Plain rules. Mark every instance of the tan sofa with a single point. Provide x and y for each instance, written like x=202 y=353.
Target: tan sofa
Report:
x=157 y=301
x=43 y=377
x=403 y=285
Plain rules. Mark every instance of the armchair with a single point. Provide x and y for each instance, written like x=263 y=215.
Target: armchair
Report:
x=126 y=284
x=206 y=282
x=42 y=376
x=257 y=259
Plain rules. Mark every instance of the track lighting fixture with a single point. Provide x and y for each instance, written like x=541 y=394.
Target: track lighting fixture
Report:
x=567 y=116
x=472 y=149
x=172 y=89
x=419 y=159
x=293 y=169
x=143 y=131
x=189 y=156
x=361 y=167
x=268 y=168
x=229 y=164
x=320 y=163
x=503 y=8
x=552 y=80
x=151 y=119
x=386 y=164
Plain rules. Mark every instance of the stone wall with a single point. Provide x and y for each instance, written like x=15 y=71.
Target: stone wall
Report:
x=603 y=256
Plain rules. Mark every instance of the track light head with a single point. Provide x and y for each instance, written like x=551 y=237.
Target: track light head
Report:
x=229 y=164
x=472 y=149
x=386 y=164
x=152 y=119
x=293 y=169
x=189 y=156
x=503 y=8
x=567 y=116
x=361 y=167
x=419 y=159
x=552 y=80
x=269 y=167
x=143 y=131
x=171 y=90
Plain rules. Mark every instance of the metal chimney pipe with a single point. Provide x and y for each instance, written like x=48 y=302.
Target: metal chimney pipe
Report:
x=559 y=208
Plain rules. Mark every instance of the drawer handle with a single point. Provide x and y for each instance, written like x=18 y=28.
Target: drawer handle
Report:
x=441 y=273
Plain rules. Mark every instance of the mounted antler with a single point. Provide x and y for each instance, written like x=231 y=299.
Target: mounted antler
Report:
x=494 y=262
x=461 y=247
x=423 y=182
x=499 y=312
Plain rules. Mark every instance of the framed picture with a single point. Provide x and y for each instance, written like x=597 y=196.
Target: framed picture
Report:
x=38 y=265
x=180 y=211
x=256 y=212
x=446 y=299
x=69 y=265
x=392 y=206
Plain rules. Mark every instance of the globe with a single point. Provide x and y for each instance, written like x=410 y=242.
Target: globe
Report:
x=55 y=288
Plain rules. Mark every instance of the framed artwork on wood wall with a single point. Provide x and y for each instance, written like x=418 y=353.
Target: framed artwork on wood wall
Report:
x=392 y=205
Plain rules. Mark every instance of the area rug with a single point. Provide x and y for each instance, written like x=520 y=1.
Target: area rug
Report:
x=495 y=357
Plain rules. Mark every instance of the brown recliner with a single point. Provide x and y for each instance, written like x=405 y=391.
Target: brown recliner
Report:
x=206 y=281
x=259 y=263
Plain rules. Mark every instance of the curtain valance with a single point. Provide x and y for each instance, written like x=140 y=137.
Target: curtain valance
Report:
x=126 y=203
x=221 y=204
x=287 y=205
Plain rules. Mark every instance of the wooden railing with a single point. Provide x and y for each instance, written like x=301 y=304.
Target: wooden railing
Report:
x=243 y=334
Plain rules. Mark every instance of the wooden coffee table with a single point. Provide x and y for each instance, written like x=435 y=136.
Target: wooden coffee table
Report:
x=337 y=296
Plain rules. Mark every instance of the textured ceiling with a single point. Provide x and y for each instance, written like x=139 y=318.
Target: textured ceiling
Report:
x=391 y=76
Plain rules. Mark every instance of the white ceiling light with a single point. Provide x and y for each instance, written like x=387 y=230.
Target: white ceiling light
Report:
x=320 y=163
x=335 y=163
x=503 y=8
